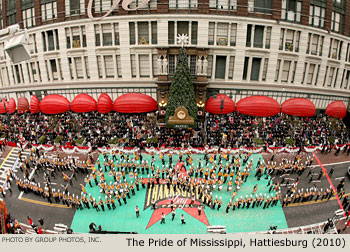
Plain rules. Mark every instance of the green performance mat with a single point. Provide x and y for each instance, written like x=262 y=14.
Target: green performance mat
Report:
x=123 y=218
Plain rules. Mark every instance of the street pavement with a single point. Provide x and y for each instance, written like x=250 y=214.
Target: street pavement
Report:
x=296 y=214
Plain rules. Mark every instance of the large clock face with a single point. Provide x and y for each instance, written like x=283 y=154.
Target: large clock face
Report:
x=181 y=114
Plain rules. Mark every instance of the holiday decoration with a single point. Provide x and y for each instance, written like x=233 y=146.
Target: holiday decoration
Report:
x=181 y=89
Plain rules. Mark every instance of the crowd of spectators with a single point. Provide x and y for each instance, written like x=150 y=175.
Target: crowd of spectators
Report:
x=239 y=130
x=142 y=130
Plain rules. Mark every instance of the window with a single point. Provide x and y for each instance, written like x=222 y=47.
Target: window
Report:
x=1 y=20
x=144 y=65
x=346 y=77
x=289 y=40
x=233 y=34
x=154 y=64
x=266 y=63
x=79 y=67
x=291 y=10
x=222 y=34
x=86 y=62
x=32 y=44
x=182 y=4
x=171 y=32
x=99 y=67
x=50 y=40
x=193 y=63
x=119 y=66
x=28 y=13
x=338 y=13
x=76 y=37
x=285 y=70
x=337 y=22
x=210 y=66
x=317 y=12
x=182 y=27
x=18 y=73
x=133 y=65
x=109 y=66
x=116 y=34
x=171 y=64
x=48 y=10
x=310 y=73
x=34 y=72
x=53 y=68
x=347 y=56
x=152 y=4
x=75 y=7
x=142 y=29
x=223 y=4
x=263 y=6
x=335 y=47
x=231 y=67
x=315 y=44
x=211 y=32
x=194 y=32
x=132 y=33
x=220 y=67
x=329 y=79
x=245 y=69
x=11 y=12
x=154 y=32
x=255 y=71
x=277 y=70
x=260 y=34
x=2 y=52
x=109 y=35
x=102 y=5
x=268 y=37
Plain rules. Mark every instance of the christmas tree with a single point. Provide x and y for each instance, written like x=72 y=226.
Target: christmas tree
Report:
x=182 y=89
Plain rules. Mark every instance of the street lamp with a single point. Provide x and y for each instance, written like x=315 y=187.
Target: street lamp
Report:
x=162 y=106
x=200 y=104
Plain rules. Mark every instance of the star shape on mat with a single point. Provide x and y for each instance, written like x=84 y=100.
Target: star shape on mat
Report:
x=179 y=203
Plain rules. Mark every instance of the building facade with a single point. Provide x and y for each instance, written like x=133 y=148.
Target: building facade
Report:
x=278 y=48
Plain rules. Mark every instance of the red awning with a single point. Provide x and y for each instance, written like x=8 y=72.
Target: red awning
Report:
x=298 y=107
x=3 y=106
x=104 y=104
x=213 y=105
x=11 y=106
x=134 y=103
x=83 y=103
x=258 y=106
x=23 y=105
x=336 y=109
x=34 y=105
x=54 y=104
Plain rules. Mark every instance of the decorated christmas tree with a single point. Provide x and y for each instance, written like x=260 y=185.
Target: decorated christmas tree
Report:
x=182 y=89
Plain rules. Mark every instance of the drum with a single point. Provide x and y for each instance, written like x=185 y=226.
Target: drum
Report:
x=131 y=175
x=119 y=174
x=110 y=173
